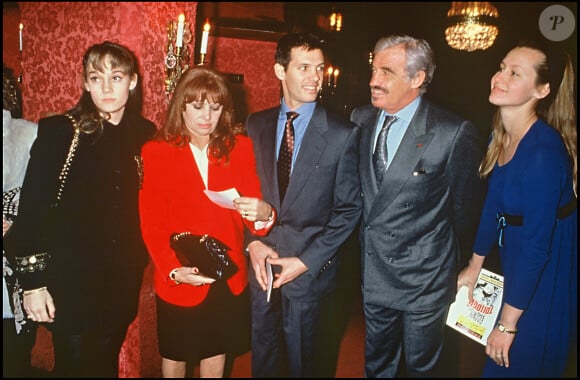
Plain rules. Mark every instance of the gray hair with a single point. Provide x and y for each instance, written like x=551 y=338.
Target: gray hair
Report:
x=419 y=55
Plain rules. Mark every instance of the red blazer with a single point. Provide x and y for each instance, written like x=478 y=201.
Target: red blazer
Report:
x=172 y=200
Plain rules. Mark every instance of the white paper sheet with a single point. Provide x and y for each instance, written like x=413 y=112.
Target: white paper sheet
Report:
x=223 y=198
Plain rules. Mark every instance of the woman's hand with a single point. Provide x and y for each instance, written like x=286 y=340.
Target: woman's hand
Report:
x=6 y=224
x=498 y=347
x=253 y=209
x=468 y=276
x=191 y=276
x=498 y=342
x=39 y=305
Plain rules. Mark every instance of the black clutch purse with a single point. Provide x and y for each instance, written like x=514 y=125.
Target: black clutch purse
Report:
x=206 y=253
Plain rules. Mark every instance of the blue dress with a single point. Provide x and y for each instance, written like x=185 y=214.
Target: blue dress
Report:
x=539 y=258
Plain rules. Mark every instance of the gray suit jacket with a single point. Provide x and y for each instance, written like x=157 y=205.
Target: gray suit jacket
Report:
x=322 y=205
x=429 y=198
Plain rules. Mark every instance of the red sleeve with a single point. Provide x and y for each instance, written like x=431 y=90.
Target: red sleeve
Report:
x=250 y=186
x=153 y=201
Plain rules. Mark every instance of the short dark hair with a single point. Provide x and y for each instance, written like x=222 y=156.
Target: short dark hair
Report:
x=308 y=41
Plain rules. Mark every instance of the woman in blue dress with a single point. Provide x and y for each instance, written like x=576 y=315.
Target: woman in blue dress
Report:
x=530 y=213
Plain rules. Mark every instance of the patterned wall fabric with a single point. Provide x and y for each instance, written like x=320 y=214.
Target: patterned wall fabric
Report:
x=56 y=35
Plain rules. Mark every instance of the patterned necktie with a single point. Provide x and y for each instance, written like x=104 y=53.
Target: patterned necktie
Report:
x=285 y=155
x=380 y=155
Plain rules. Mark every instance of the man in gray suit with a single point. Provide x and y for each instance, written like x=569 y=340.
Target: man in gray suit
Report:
x=319 y=211
x=418 y=216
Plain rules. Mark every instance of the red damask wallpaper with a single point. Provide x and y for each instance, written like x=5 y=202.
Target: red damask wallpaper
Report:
x=255 y=60
x=56 y=35
x=10 y=21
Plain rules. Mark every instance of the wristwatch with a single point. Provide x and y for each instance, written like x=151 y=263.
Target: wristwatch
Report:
x=502 y=329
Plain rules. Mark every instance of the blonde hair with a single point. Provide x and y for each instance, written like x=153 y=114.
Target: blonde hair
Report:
x=558 y=109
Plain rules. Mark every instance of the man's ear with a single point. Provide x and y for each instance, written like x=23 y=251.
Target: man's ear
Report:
x=279 y=71
x=418 y=80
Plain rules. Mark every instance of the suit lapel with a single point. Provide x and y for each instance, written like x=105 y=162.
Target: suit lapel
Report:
x=311 y=149
x=267 y=145
x=366 y=151
x=410 y=152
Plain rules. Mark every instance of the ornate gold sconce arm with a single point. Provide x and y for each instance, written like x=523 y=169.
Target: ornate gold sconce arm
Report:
x=178 y=53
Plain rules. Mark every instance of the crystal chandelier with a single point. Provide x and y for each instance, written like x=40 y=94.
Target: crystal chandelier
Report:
x=472 y=25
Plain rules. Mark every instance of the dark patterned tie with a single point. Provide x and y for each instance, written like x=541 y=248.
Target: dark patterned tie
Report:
x=380 y=155
x=285 y=155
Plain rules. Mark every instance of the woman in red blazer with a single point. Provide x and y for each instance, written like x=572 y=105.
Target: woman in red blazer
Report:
x=199 y=148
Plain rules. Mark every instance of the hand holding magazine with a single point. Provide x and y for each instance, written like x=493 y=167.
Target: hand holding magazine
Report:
x=476 y=319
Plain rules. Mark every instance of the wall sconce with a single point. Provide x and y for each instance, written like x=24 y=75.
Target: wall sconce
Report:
x=20 y=27
x=472 y=25
x=177 y=58
x=331 y=77
x=335 y=21
x=330 y=81
x=330 y=21
x=335 y=77
x=204 y=41
x=329 y=72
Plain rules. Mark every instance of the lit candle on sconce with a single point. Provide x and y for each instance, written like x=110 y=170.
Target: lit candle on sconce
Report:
x=336 y=72
x=180 y=26
x=329 y=72
x=205 y=37
x=20 y=35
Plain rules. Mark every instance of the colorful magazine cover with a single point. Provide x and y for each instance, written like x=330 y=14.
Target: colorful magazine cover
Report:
x=476 y=319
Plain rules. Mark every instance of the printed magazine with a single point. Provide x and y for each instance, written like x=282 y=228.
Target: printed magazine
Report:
x=476 y=319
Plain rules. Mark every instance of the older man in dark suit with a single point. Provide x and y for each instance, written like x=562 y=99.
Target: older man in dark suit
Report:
x=318 y=207
x=421 y=200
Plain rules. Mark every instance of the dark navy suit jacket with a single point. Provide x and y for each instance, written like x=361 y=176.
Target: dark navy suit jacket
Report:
x=322 y=205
